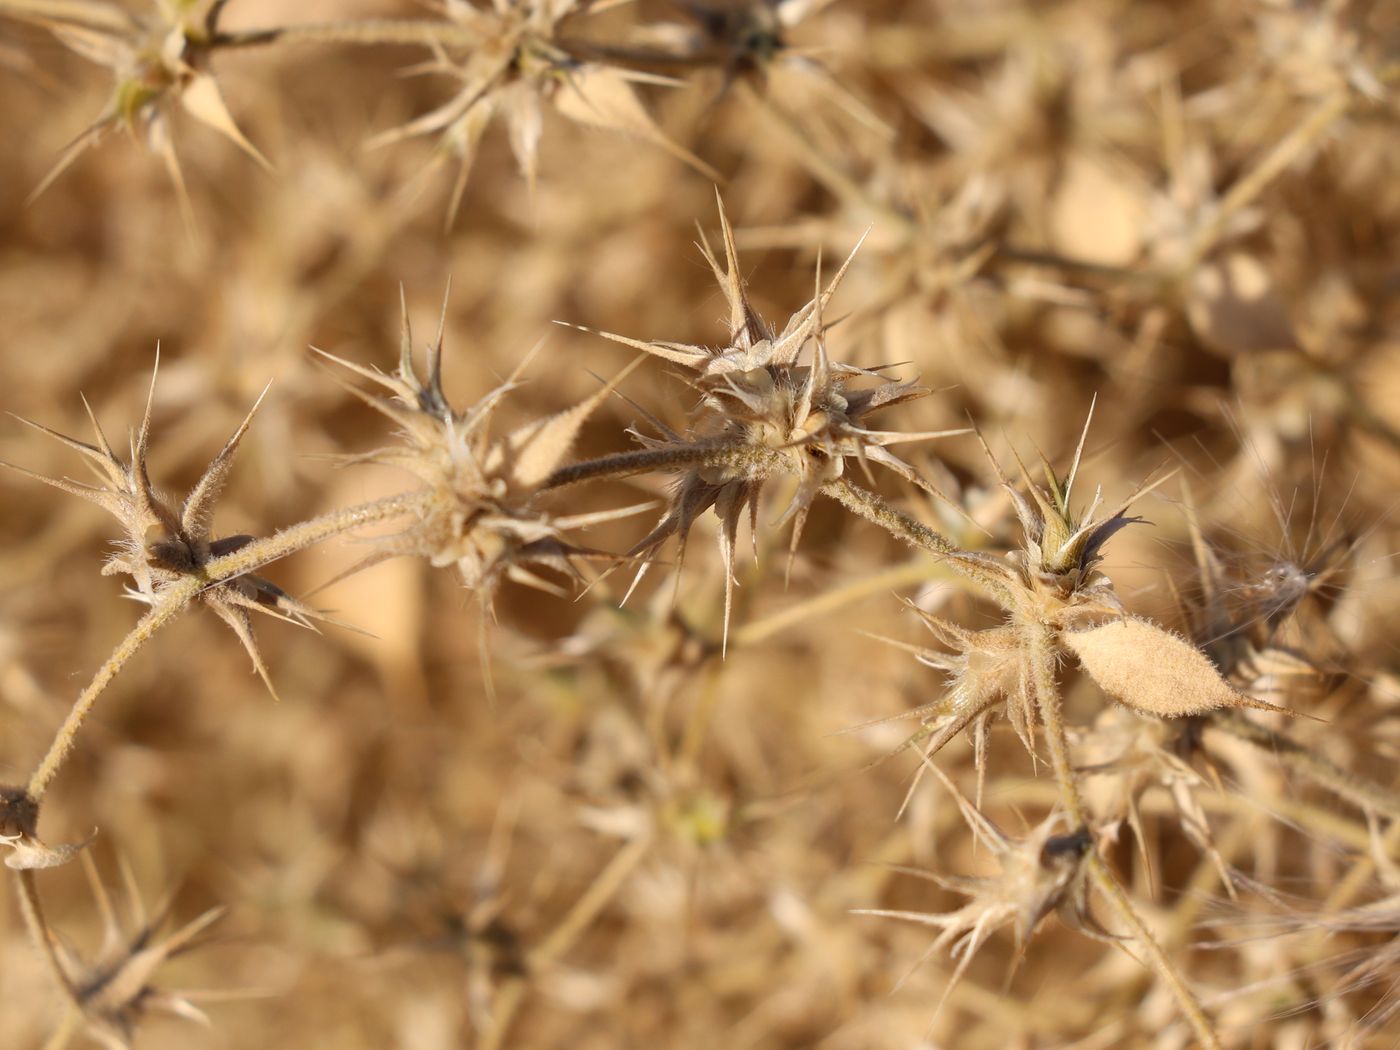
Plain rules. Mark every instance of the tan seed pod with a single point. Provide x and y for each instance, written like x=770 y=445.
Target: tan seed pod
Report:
x=1154 y=671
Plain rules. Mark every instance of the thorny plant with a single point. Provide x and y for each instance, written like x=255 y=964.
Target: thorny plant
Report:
x=508 y=58
x=1141 y=727
x=772 y=405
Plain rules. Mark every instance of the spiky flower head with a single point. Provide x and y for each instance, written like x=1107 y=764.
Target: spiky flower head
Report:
x=114 y=991
x=482 y=516
x=1057 y=602
x=164 y=544
x=768 y=409
x=1039 y=874
x=1060 y=545
x=515 y=57
x=159 y=61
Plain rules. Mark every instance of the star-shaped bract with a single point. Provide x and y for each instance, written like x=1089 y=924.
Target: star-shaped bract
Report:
x=764 y=413
x=164 y=543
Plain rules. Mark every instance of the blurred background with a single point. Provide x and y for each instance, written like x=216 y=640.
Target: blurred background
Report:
x=1188 y=210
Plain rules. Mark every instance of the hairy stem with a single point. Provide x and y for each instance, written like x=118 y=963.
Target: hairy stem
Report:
x=170 y=607
x=1359 y=791
x=304 y=534
x=877 y=511
x=1107 y=884
x=1048 y=702
x=645 y=460
x=368 y=32
x=901 y=526
x=173 y=600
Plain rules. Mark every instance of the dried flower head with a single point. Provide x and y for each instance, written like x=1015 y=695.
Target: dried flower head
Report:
x=482 y=515
x=164 y=544
x=158 y=60
x=1039 y=874
x=1056 y=602
x=765 y=414
x=517 y=58
x=113 y=991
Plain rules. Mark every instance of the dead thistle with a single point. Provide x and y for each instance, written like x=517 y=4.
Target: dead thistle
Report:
x=159 y=61
x=481 y=511
x=174 y=559
x=519 y=56
x=164 y=545
x=112 y=992
x=762 y=415
x=1039 y=874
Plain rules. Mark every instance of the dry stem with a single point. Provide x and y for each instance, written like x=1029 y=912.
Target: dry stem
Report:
x=38 y=927
x=173 y=600
x=1052 y=715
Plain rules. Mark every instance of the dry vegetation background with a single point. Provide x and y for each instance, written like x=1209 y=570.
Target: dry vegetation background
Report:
x=1190 y=209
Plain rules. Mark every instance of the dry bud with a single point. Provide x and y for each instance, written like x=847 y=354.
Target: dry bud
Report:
x=19 y=822
x=1152 y=670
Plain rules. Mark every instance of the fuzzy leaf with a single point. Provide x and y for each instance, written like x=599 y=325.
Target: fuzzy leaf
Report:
x=1154 y=671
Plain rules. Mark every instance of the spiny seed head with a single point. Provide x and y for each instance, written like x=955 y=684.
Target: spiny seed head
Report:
x=113 y=991
x=985 y=669
x=164 y=543
x=1053 y=578
x=516 y=62
x=482 y=517
x=158 y=61
x=1039 y=874
x=765 y=413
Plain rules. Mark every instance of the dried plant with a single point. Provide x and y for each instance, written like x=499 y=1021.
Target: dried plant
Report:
x=664 y=825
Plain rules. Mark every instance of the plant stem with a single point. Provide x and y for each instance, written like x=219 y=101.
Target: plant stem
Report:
x=876 y=510
x=306 y=533
x=172 y=601
x=38 y=927
x=1109 y=886
x=1048 y=702
x=645 y=460
x=369 y=32
x=171 y=606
